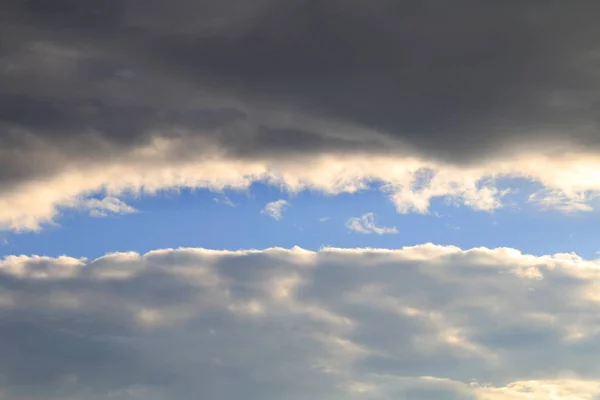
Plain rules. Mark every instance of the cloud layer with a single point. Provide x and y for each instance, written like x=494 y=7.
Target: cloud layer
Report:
x=429 y=100
x=420 y=322
x=451 y=81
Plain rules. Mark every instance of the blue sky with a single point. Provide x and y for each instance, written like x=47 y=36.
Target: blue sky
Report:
x=201 y=218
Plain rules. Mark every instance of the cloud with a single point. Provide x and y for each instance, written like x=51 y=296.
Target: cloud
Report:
x=119 y=71
x=275 y=209
x=101 y=207
x=149 y=96
x=101 y=98
x=419 y=322
x=410 y=183
x=566 y=202
x=366 y=224
x=224 y=201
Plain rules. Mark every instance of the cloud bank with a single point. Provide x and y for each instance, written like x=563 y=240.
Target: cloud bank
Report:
x=451 y=81
x=426 y=99
x=419 y=322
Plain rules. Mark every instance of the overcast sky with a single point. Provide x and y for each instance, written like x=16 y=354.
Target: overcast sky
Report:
x=420 y=178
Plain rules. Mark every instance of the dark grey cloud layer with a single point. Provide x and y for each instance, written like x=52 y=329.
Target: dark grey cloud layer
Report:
x=456 y=80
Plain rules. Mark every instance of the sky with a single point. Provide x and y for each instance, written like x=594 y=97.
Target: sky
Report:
x=300 y=199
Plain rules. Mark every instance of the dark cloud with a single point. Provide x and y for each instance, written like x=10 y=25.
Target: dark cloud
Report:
x=458 y=81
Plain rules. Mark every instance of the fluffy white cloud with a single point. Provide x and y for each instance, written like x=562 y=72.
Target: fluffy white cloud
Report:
x=410 y=183
x=366 y=224
x=275 y=209
x=420 y=322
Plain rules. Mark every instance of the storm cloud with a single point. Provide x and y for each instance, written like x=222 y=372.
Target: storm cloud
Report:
x=90 y=85
x=456 y=81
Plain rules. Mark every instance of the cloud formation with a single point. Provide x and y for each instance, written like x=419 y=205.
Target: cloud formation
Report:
x=410 y=183
x=420 y=322
x=132 y=95
x=450 y=81
x=366 y=224
x=102 y=207
x=275 y=209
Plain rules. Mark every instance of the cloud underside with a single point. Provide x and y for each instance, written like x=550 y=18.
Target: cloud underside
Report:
x=134 y=95
x=421 y=322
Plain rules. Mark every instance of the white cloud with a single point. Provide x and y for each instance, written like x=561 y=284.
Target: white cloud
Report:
x=563 y=201
x=366 y=224
x=102 y=207
x=568 y=389
x=275 y=209
x=421 y=322
x=410 y=183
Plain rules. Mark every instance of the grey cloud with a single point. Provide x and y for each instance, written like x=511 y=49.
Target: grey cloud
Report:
x=39 y=137
x=455 y=81
x=335 y=324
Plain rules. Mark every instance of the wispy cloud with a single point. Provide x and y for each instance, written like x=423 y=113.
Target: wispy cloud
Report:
x=104 y=207
x=366 y=224
x=226 y=201
x=324 y=219
x=275 y=209
x=563 y=201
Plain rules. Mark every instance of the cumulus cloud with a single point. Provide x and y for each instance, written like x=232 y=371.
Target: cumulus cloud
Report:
x=275 y=209
x=420 y=322
x=366 y=224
